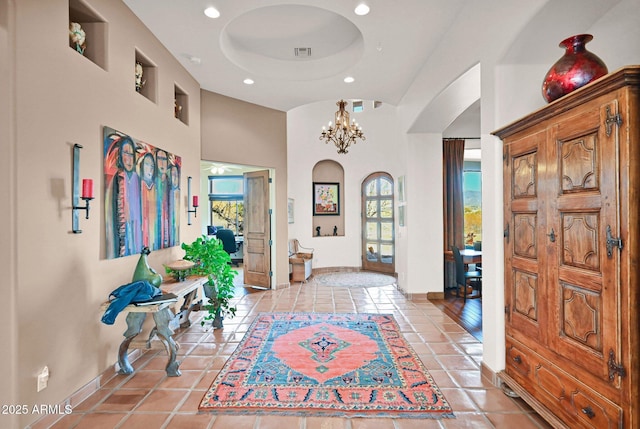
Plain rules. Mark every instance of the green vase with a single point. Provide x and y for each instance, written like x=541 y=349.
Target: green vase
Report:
x=144 y=272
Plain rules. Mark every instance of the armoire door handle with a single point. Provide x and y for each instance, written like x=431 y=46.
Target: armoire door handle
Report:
x=552 y=236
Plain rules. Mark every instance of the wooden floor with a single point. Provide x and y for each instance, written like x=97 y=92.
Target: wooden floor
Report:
x=468 y=315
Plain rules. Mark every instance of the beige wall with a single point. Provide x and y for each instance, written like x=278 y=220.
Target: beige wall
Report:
x=238 y=132
x=62 y=98
x=8 y=334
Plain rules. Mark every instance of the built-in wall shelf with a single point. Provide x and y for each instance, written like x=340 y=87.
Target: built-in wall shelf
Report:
x=147 y=83
x=95 y=30
x=329 y=175
x=181 y=104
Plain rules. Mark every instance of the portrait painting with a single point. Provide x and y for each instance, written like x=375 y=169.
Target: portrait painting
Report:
x=142 y=195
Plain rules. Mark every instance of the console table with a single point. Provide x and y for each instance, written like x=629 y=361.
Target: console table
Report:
x=190 y=292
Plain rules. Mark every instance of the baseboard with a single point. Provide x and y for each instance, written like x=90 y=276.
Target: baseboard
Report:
x=435 y=295
x=84 y=392
x=325 y=270
x=488 y=373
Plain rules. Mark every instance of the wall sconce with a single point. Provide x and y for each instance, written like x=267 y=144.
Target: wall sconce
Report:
x=194 y=201
x=87 y=191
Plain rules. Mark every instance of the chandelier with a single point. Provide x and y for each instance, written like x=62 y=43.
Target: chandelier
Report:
x=344 y=133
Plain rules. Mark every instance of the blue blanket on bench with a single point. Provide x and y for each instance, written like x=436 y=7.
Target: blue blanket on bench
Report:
x=130 y=293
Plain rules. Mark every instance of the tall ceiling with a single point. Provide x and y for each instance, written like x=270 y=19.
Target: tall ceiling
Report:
x=299 y=51
x=268 y=42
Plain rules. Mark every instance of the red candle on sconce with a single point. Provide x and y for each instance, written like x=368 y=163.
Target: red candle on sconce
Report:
x=87 y=188
x=195 y=201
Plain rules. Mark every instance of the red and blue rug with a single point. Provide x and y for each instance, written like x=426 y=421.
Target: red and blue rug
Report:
x=349 y=365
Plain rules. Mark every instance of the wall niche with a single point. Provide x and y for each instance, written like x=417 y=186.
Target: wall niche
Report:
x=94 y=27
x=327 y=188
x=180 y=104
x=145 y=79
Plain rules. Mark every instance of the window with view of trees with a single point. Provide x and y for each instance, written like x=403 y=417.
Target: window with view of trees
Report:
x=228 y=214
x=472 y=189
x=226 y=195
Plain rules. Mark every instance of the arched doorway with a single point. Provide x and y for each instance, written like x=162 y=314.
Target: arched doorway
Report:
x=378 y=246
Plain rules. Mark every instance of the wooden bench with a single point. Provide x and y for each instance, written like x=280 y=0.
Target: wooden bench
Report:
x=167 y=317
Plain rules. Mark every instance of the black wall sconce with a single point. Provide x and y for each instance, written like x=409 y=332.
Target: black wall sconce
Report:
x=195 y=202
x=87 y=191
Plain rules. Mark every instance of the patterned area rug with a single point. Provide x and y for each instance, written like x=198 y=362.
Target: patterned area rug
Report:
x=354 y=279
x=348 y=365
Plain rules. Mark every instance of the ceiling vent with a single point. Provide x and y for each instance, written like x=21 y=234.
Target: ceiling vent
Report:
x=302 y=52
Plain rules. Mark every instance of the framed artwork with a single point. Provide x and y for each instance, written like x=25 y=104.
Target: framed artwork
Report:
x=290 y=209
x=142 y=195
x=401 y=215
x=326 y=198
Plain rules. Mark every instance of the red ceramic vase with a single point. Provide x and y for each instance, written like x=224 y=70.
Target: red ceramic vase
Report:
x=576 y=68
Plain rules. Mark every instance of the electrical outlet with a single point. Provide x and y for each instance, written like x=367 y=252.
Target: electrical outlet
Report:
x=43 y=378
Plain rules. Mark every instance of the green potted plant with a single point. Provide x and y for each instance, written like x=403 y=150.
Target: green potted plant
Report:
x=212 y=261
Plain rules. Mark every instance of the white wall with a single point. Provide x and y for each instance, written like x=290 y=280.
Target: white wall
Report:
x=425 y=262
x=381 y=151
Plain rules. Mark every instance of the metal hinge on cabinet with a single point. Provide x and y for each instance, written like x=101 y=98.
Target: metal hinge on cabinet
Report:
x=505 y=233
x=505 y=155
x=612 y=241
x=615 y=368
x=612 y=119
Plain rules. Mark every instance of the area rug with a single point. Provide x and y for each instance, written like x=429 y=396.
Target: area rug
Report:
x=354 y=279
x=325 y=364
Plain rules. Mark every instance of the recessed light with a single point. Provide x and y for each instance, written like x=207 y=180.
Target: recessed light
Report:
x=349 y=79
x=212 y=12
x=361 y=9
x=248 y=81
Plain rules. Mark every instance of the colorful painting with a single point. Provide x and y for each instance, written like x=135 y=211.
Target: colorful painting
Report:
x=142 y=195
x=326 y=199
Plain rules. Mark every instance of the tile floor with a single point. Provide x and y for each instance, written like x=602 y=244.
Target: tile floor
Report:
x=149 y=399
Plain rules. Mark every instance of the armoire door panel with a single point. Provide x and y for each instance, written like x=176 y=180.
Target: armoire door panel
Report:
x=579 y=164
x=579 y=240
x=524 y=235
x=525 y=317
x=584 y=317
x=525 y=292
x=525 y=175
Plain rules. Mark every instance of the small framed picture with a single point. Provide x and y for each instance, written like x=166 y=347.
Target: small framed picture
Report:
x=290 y=209
x=326 y=198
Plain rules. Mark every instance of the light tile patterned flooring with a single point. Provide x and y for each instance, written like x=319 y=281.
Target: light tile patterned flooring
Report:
x=149 y=399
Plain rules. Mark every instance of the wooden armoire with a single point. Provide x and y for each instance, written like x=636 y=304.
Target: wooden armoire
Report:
x=571 y=243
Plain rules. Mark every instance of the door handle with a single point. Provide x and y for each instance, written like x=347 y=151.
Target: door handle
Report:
x=552 y=236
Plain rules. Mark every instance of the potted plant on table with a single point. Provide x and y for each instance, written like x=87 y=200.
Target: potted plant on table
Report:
x=212 y=261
